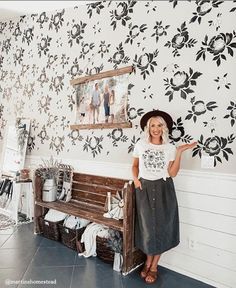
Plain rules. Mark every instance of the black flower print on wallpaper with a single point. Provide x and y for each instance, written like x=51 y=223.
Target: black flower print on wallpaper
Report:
x=178 y=133
x=64 y=122
x=117 y=135
x=214 y=146
x=146 y=63
x=75 y=137
x=93 y=144
x=57 y=20
x=222 y=82
x=133 y=113
x=218 y=46
x=28 y=35
x=71 y=102
x=94 y=69
x=44 y=104
x=6 y=45
x=11 y=25
x=64 y=60
x=181 y=81
x=204 y=7
x=134 y=32
x=97 y=7
x=85 y=49
x=51 y=119
x=17 y=32
x=51 y=60
x=199 y=108
x=24 y=69
x=234 y=8
x=1 y=110
x=134 y=140
x=231 y=113
x=75 y=69
x=29 y=90
x=18 y=84
x=103 y=48
x=121 y=13
x=180 y=40
x=43 y=135
x=76 y=33
x=57 y=143
x=42 y=19
x=43 y=78
x=119 y=57
x=3 y=25
x=18 y=56
x=160 y=30
x=43 y=46
x=1 y=60
x=57 y=83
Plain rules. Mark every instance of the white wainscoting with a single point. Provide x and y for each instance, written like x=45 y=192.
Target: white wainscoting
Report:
x=207 y=209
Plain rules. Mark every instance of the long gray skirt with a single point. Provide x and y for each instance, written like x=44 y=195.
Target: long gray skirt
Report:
x=157 y=218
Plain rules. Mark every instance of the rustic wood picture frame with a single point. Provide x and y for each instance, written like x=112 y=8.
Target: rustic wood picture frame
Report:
x=101 y=100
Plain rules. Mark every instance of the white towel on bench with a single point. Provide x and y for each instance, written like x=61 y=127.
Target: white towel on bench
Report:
x=89 y=238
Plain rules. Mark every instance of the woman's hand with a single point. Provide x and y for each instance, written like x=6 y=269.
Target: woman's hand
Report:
x=137 y=184
x=185 y=147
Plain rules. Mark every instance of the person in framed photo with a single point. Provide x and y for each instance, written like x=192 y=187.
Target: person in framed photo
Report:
x=112 y=105
x=95 y=103
x=106 y=102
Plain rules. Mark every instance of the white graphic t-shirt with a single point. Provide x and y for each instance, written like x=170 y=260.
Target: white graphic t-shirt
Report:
x=154 y=159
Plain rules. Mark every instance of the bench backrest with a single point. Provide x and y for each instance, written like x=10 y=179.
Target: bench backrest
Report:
x=91 y=190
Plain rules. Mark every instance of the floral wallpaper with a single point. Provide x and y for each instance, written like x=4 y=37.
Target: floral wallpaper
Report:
x=183 y=54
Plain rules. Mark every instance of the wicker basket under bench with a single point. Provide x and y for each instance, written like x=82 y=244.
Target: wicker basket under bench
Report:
x=88 y=200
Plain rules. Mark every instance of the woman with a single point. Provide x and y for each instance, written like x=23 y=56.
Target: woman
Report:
x=155 y=162
x=112 y=104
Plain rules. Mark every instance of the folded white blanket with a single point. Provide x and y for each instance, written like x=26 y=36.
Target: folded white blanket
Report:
x=73 y=222
x=89 y=238
x=55 y=216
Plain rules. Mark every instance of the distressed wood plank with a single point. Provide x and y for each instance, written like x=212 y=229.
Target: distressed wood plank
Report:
x=101 y=126
x=101 y=75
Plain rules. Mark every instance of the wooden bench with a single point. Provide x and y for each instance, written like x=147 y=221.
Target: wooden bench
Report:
x=88 y=199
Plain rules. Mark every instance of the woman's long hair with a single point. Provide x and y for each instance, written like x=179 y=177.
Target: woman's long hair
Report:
x=165 y=130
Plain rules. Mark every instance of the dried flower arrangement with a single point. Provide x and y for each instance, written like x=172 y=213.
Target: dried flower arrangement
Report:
x=49 y=169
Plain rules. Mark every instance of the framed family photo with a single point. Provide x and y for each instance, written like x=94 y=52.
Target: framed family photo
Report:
x=102 y=100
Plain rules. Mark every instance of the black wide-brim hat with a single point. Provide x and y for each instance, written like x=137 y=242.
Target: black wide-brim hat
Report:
x=168 y=119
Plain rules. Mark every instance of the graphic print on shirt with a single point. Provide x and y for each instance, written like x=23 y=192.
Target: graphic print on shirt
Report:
x=154 y=160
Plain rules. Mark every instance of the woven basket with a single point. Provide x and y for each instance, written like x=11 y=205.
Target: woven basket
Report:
x=70 y=237
x=49 y=229
x=104 y=252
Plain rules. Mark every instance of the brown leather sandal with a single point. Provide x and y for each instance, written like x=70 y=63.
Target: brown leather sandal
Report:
x=144 y=272
x=151 y=277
